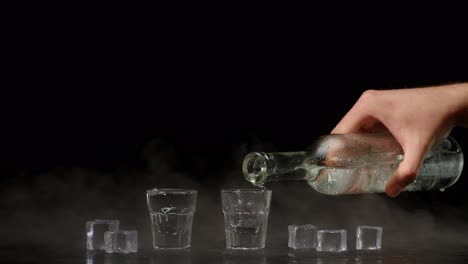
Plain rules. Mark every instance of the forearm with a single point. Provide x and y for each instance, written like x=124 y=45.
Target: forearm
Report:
x=461 y=114
x=452 y=100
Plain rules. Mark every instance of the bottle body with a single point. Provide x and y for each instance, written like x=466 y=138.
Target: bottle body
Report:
x=354 y=163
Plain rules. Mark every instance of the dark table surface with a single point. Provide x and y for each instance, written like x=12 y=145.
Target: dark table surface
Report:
x=453 y=254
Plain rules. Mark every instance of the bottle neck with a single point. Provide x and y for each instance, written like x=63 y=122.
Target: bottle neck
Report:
x=261 y=167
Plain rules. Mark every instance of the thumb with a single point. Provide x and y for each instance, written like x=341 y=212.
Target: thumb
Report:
x=407 y=170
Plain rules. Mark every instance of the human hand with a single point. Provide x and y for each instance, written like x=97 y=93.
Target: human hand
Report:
x=419 y=118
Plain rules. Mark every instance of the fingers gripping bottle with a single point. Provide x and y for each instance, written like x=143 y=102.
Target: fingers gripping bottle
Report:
x=354 y=163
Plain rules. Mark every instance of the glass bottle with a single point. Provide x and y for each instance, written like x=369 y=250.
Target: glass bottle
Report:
x=354 y=163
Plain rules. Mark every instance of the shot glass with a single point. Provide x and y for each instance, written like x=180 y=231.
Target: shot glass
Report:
x=245 y=217
x=171 y=212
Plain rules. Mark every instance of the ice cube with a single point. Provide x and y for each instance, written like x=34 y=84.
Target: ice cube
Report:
x=331 y=240
x=302 y=236
x=95 y=232
x=121 y=241
x=368 y=237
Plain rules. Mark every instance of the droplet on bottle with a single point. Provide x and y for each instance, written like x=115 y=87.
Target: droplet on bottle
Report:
x=442 y=189
x=400 y=157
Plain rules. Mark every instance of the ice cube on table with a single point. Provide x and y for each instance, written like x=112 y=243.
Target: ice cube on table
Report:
x=331 y=240
x=95 y=232
x=302 y=236
x=121 y=241
x=368 y=237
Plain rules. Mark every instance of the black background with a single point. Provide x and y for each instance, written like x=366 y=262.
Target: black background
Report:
x=95 y=114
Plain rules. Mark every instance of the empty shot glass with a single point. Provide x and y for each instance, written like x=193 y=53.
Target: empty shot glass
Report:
x=171 y=212
x=245 y=217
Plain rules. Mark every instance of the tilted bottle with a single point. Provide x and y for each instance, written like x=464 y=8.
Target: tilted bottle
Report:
x=354 y=163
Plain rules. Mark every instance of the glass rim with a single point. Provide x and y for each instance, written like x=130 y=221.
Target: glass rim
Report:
x=246 y=191
x=171 y=190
